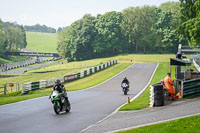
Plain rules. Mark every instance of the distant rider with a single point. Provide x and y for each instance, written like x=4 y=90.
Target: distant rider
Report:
x=125 y=80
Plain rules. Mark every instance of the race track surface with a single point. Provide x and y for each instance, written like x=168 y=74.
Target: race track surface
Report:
x=88 y=106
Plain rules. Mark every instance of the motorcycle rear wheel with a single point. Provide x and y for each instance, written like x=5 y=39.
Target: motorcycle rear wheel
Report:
x=68 y=108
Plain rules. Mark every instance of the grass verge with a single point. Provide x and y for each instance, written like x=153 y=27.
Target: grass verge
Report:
x=184 y=125
x=86 y=82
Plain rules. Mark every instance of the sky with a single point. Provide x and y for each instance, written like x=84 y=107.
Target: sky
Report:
x=61 y=13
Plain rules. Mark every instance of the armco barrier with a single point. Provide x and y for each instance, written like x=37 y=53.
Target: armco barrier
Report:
x=85 y=73
x=69 y=78
x=26 y=87
x=35 y=85
x=191 y=87
x=51 y=82
x=78 y=75
x=42 y=84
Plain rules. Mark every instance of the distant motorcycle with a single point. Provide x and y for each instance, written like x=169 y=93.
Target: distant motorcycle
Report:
x=125 y=87
x=59 y=102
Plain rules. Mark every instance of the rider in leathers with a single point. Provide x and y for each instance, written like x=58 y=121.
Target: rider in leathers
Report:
x=125 y=80
x=61 y=89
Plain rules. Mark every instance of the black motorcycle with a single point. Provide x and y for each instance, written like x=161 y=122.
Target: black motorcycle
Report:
x=125 y=87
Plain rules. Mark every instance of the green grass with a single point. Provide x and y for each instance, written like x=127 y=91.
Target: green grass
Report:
x=11 y=59
x=42 y=42
x=86 y=82
x=184 y=125
x=137 y=58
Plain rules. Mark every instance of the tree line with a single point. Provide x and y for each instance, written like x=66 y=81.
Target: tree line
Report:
x=146 y=29
x=12 y=37
x=190 y=21
x=40 y=28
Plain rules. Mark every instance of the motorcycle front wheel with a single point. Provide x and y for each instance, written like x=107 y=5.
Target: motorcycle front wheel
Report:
x=56 y=108
x=125 y=92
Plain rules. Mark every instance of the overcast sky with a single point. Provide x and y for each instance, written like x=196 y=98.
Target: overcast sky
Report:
x=61 y=13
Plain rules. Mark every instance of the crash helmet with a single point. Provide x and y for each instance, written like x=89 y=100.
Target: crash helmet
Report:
x=57 y=81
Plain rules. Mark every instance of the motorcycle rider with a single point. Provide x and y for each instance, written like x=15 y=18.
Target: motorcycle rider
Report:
x=125 y=80
x=61 y=89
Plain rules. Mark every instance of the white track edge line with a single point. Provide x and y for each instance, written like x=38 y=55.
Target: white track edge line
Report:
x=153 y=123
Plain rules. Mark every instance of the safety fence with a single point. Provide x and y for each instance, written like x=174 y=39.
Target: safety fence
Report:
x=9 y=87
x=67 y=78
x=13 y=65
x=190 y=88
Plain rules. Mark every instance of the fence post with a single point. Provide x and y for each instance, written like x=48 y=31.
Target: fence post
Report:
x=5 y=89
x=17 y=86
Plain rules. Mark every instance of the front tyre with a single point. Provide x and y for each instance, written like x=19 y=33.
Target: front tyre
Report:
x=56 y=108
x=125 y=92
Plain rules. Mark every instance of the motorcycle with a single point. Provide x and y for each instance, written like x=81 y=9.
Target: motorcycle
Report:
x=125 y=88
x=60 y=102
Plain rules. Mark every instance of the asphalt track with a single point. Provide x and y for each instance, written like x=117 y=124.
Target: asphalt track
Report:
x=88 y=106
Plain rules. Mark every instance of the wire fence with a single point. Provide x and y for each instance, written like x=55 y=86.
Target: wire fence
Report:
x=9 y=88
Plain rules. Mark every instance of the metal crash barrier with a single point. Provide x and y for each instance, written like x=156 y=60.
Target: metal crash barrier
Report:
x=190 y=88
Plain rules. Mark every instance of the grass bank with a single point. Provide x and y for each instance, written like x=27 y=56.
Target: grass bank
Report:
x=42 y=42
x=184 y=125
x=11 y=59
x=86 y=82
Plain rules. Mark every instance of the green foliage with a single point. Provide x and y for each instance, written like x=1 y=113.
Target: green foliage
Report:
x=146 y=29
x=40 y=28
x=190 y=21
x=108 y=39
x=2 y=39
x=75 y=42
x=13 y=37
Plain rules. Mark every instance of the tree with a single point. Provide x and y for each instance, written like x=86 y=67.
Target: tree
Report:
x=190 y=21
x=130 y=26
x=109 y=37
x=40 y=28
x=147 y=17
x=75 y=42
x=2 y=39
